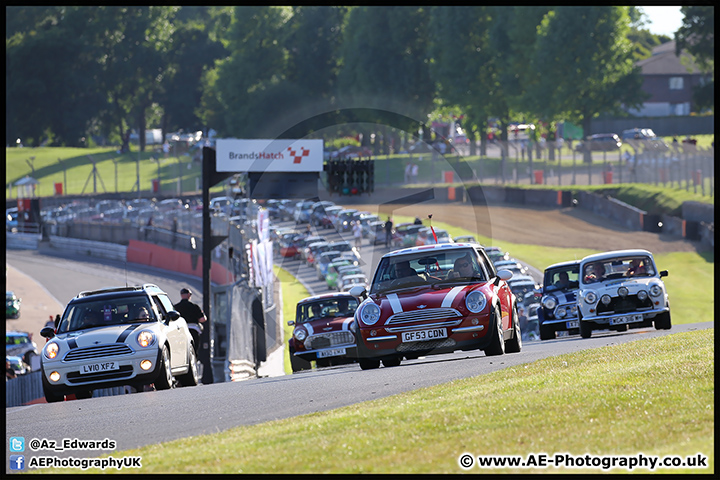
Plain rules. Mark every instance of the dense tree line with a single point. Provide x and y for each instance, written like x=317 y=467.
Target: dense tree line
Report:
x=268 y=71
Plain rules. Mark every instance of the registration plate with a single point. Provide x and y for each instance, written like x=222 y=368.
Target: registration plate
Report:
x=422 y=335
x=99 y=367
x=572 y=324
x=332 y=352
x=626 y=319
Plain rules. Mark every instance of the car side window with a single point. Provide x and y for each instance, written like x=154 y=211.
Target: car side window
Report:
x=162 y=304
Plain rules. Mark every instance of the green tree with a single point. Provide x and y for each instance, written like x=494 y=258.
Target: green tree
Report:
x=236 y=96
x=50 y=91
x=192 y=53
x=697 y=37
x=584 y=65
x=385 y=67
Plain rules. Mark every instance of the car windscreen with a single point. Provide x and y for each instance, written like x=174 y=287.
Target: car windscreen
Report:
x=564 y=278
x=105 y=312
x=327 y=308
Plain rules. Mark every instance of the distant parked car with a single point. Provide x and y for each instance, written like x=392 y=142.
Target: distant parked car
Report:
x=20 y=344
x=465 y=239
x=12 y=305
x=600 y=142
x=351 y=151
x=644 y=137
x=324 y=331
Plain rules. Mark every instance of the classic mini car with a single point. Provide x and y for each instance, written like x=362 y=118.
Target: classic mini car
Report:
x=559 y=310
x=323 y=331
x=117 y=336
x=465 y=239
x=12 y=305
x=332 y=273
x=20 y=344
x=418 y=305
x=621 y=289
x=349 y=281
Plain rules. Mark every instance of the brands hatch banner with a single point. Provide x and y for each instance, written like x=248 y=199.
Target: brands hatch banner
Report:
x=234 y=155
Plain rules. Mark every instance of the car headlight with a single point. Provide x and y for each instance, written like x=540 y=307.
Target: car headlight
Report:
x=353 y=326
x=623 y=292
x=549 y=302
x=642 y=295
x=370 y=313
x=655 y=291
x=300 y=334
x=146 y=338
x=590 y=297
x=605 y=299
x=561 y=312
x=475 y=301
x=51 y=350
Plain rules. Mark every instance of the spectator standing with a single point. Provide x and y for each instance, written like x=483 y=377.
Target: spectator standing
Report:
x=191 y=312
x=166 y=148
x=388 y=231
x=408 y=172
x=357 y=234
x=414 y=172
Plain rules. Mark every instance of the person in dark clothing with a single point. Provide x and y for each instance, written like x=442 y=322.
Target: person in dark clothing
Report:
x=191 y=312
x=388 y=232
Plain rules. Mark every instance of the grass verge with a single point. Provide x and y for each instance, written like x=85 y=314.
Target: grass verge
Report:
x=654 y=397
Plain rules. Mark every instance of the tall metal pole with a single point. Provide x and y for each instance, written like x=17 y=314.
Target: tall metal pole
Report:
x=207 y=350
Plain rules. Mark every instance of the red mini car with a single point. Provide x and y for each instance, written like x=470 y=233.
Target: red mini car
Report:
x=324 y=331
x=435 y=299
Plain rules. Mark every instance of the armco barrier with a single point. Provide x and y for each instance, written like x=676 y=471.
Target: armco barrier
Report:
x=612 y=208
x=91 y=248
x=22 y=241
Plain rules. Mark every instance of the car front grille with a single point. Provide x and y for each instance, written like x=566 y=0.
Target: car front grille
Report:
x=426 y=346
x=98 y=351
x=330 y=339
x=423 y=315
x=624 y=305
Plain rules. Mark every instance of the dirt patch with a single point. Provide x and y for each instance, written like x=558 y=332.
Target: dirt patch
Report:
x=567 y=227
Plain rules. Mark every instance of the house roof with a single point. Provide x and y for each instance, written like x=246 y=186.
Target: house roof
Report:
x=664 y=62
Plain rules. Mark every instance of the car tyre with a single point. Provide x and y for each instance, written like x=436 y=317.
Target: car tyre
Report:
x=547 y=332
x=663 y=322
x=585 y=329
x=514 y=345
x=192 y=377
x=298 y=364
x=164 y=381
x=368 y=363
x=497 y=344
x=392 y=362
x=51 y=397
x=82 y=394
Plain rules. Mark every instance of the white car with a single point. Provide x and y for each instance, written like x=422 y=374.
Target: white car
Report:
x=349 y=281
x=622 y=288
x=105 y=339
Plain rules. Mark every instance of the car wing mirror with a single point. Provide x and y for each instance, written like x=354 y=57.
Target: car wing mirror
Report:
x=291 y=322
x=47 y=332
x=171 y=315
x=664 y=273
x=358 y=291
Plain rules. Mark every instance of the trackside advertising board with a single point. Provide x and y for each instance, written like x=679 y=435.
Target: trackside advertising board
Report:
x=234 y=155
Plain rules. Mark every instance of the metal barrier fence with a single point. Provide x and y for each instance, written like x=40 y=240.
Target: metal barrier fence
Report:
x=27 y=388
x=677 y=166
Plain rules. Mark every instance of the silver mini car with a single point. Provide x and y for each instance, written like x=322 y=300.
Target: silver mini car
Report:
x=117 y=336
